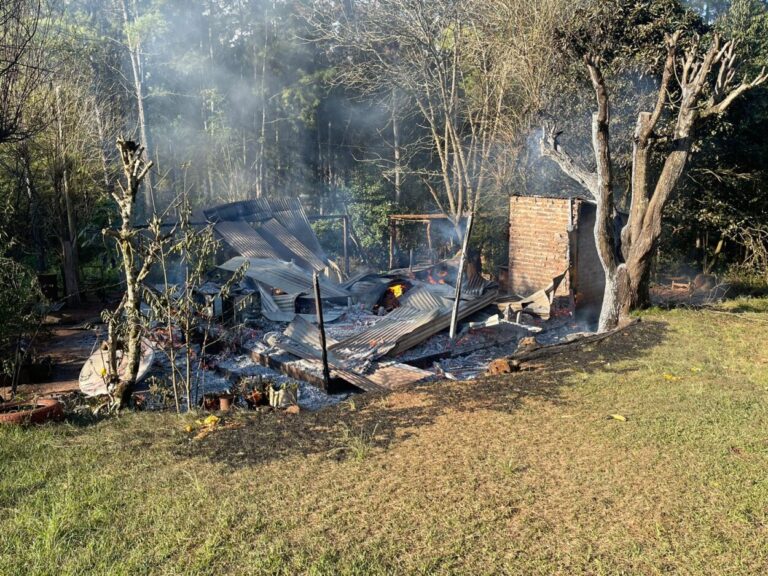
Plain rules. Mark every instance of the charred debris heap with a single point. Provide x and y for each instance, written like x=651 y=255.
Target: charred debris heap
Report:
x=382 y=330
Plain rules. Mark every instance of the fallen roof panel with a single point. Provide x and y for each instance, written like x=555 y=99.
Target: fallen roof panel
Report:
x=384 y=335
x=443 y=321
x=245 y=240
x=285 y=276
x=290 y=213
x=423 y=299
x=288 y=246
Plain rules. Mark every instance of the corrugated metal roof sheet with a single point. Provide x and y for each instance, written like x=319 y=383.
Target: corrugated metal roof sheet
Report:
x=245 y=240
x=307 y=334
x=476 y=286
x=284 y=219
x=286 y=276
x=290 y=213
x=256 y=209
x=282 y=310
x=384 y=335
x=423 y=299
x=288 y=246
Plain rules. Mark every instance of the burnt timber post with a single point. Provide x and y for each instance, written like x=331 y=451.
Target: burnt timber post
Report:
x=345 y=233
x=429 y=241
x=462 y=266
x=392 y=233
x=321 y=326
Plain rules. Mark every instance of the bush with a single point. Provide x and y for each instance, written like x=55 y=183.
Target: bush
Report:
x=21 y=313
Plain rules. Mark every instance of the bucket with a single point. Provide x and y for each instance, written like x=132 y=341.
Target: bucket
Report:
x=283 y=397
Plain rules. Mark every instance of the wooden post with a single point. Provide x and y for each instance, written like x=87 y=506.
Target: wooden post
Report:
x=392 y=232
x=462 y=265
x=321 y=326
x=429 y=241
x=345 y=233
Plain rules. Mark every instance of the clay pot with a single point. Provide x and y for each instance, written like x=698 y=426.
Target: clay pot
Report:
x=225 y=403
x=33 y=412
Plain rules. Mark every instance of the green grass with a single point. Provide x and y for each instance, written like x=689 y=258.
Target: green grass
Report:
x=524 y=474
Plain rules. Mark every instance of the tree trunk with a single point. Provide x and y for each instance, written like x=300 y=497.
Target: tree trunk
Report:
x=133 y=318
x=35 y=209
x=627 y=283
x=604 y=220
x=70 y=266
x=396 y=147
x=134 y=51
x=135 y=170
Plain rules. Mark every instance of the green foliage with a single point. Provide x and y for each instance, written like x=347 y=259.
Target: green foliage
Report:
x=369 y=206
x=21 y=313
x=626 y=35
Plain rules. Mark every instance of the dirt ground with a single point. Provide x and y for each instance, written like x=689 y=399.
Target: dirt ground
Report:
x=68 y=339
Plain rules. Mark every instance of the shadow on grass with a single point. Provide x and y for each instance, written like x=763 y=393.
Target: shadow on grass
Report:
x=380 y=421
x=757 y=308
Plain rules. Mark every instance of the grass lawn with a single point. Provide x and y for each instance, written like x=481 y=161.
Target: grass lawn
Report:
x=521 y=474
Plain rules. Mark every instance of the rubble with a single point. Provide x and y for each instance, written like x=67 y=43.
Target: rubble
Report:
x=383 y=331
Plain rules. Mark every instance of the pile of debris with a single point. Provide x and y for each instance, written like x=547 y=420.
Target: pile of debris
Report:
x=289 y=322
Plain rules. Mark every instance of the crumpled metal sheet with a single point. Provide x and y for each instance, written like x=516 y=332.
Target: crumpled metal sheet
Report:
x=368 y=291
x=282 y=308
x=382 y=337
x=290 y=226
x=307 y=334
x=285 y=276
x=476 y=285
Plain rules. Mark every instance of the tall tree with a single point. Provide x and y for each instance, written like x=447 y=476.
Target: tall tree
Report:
x=22 y=65
x=444 y=61
x=696 y=84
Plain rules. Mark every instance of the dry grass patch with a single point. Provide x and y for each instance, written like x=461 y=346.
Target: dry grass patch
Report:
x=523 y=474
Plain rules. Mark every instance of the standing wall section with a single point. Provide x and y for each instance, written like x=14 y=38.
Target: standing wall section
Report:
x=539 y=245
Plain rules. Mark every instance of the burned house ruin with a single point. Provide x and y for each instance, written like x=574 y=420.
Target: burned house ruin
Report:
x=301 y=316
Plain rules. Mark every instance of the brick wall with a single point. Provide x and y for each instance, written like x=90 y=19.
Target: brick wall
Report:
x=538 y=243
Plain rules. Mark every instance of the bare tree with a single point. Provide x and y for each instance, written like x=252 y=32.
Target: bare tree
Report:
x=443 y=61
x=22 y=67
x=133 y=43
x=136 y=267
x=706 y=87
